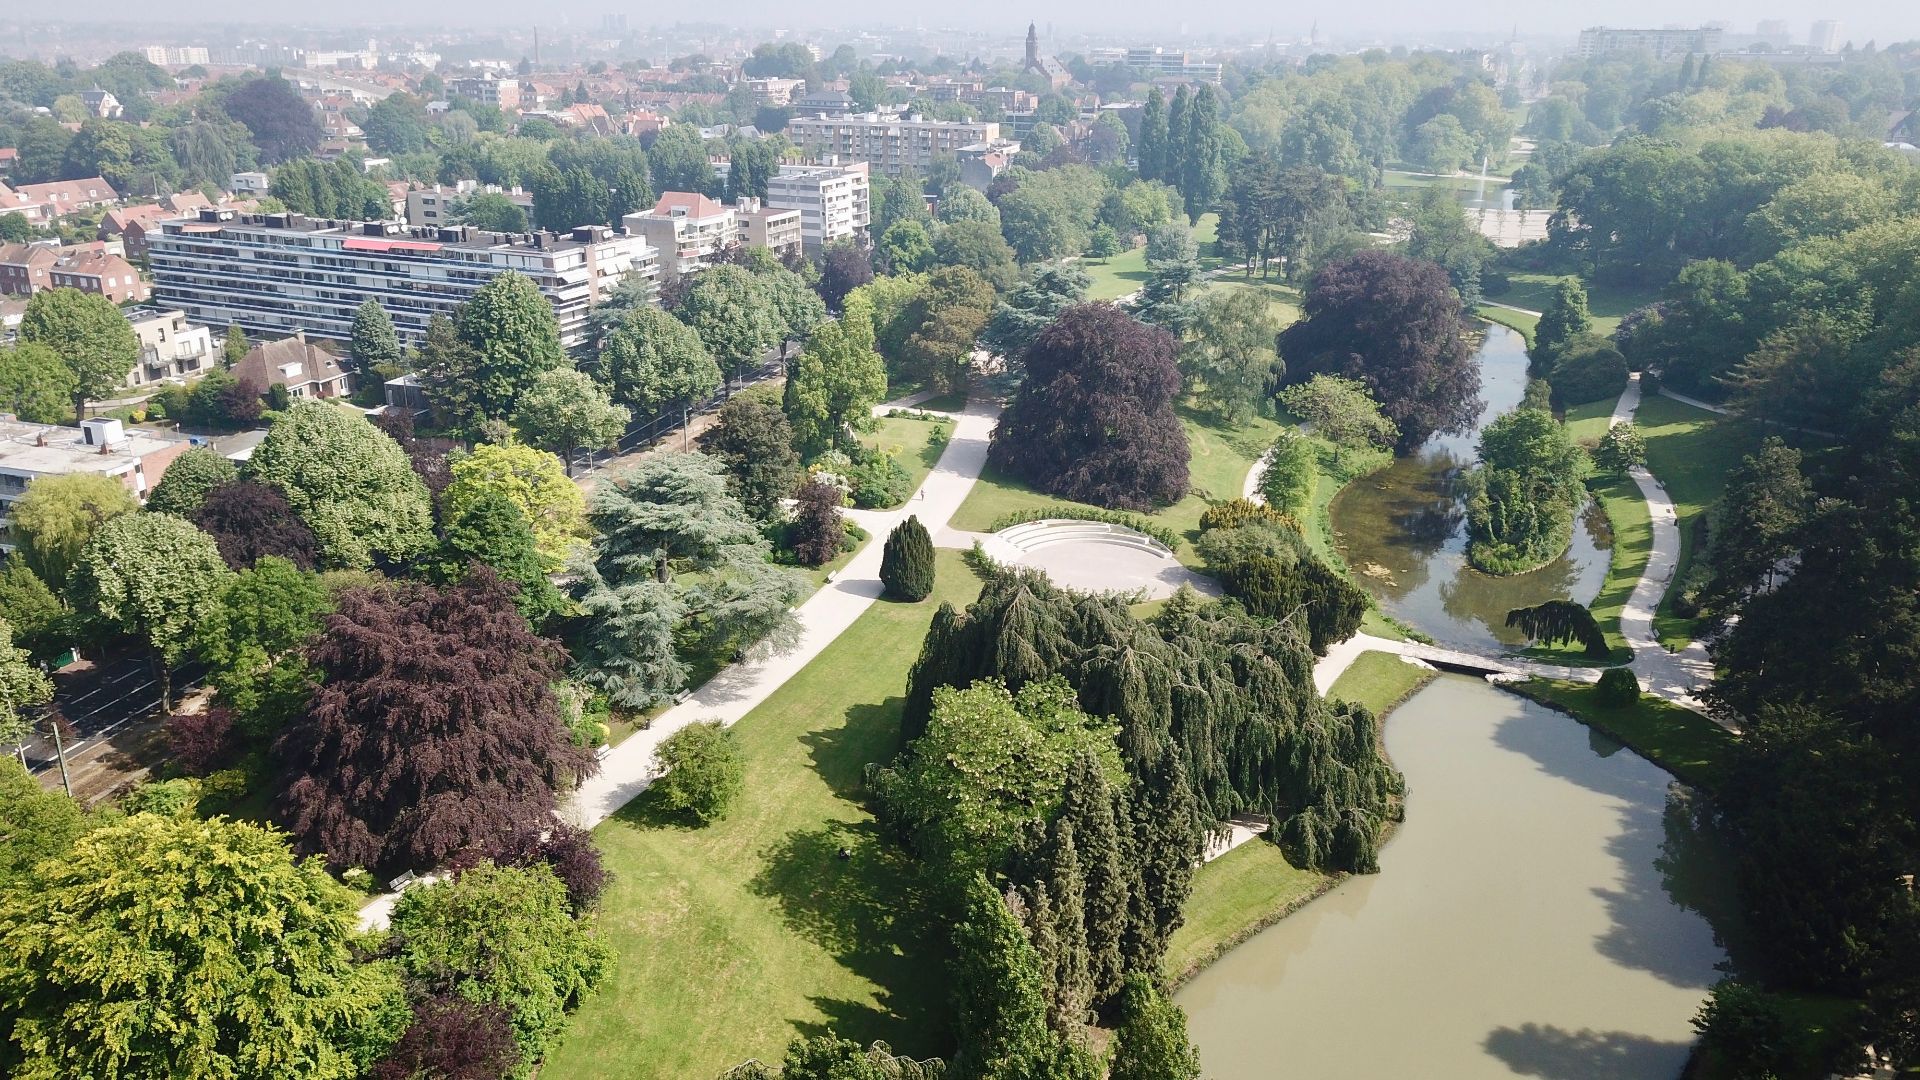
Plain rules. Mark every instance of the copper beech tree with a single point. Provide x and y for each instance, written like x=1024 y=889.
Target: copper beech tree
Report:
x=434 y=729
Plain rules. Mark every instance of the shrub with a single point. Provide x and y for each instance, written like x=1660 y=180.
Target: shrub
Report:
x=878 y=481
x=168 y=798
x=1232 y=515
x=1288 y=481
x=224 y=787
x=1621 y=448
x=1617 y=688
x=704 y=773
x=567 y=851
x=907 y=562
x=1588 y=369
x=204 y=741
x=452 y=1038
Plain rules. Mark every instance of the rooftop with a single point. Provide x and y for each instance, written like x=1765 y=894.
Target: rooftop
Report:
x=395 y=236
x=52 y=450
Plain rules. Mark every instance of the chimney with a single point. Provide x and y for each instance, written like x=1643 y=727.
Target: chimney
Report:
x=300 y=335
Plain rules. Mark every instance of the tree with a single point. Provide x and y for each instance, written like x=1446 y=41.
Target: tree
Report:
x=1094 y=420
x=565 y=409
x=15 y=228
x=754 y=438
x=677 y=161
x=154 y=576
x=504 y=936
x=1556 y=621
x=251 y=637
x=1340 y=411
x=234 y=347
x=650 y=360
x=628 y=650
x=534 y=482
x=907 y=562
x=817 y=532
x=1441 y=145
x=1203 y=159
x=396 y=124
x=798 y=308
x=414 y=677
x=1756 y=526
x=836 y=381
x=1525 y=494
x=250 y=521
x=452 y=1038
x=1622 y=449
x=1104 y=244
x=959 y=203
x=22 y=686
x=491 y=530
x=493 y=211
x=188 y=479
x=1230 y=361
x=1292 y=471
x=1028 y=310
x=1394 y=324
x=35 y=384
x=39 y=825
x=1001 y=1011
x=1587 y=368
x=280 y=120
x=511 y=329
x=1152 y=150
x=58 y=515
x=375 y=345
x=943 y=322
x=99 y=979
x=89 y=334
x=1049 y=215
x=702 y=773
x=40 y=622
x=905 y=247
x=733 y=317
x=978 y=246
x=1173 y=269
x=350 y=483
x=1151 y=1043
x=1564 y=319
x=843 y=268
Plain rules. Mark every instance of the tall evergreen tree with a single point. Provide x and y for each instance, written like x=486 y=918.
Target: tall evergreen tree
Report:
x=1151 y=1043
x=1087 y=801
x=1564 y=319
x=907 y=562
x=1001 y=1010
x=374 y=339
x=1203 y=168
x=1071 y=995
x=1169 y=836
x=1151 y=149
x=1173 y=163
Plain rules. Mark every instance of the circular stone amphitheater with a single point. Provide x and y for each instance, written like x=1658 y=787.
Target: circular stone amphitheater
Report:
x=1093 y=556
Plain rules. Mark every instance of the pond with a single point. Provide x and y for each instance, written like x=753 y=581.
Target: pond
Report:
x=1403 y=530
x=1538 y=914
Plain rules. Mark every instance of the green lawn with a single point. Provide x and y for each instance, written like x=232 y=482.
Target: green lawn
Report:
x=1380 y=681
x=735 y=938
x=1608 y=303
x=1283 y=301
x=910 y=441
x=1127 y=272
x=1220 y=459
x=1681 y=741
x=1691 y=451
x=1587 y=423
x=1523 y=323
x=1234 y=897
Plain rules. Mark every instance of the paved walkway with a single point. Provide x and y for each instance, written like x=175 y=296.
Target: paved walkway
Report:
x=1677 y=676
x=1510 y=307
x=1684 y=399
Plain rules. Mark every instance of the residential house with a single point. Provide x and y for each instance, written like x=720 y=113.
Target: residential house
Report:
x=9 y=158
x=130 y=224
x=306 y=370
x=170 y=346
x=93 y=269
x=983 y=161
x=62 y=197
x=26 y=269
x=774 y=91
x=33 y=452
x=102 y=104
x=252 y=184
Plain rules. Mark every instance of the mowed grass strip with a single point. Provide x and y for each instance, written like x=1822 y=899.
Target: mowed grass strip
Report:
x=1380 y=681
x=1127 y=272
x=1690 y=451
x=735 y=938
x=910 y=441
x=1681 y=741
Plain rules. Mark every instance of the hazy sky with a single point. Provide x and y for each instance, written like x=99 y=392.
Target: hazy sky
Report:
x=1400 y=20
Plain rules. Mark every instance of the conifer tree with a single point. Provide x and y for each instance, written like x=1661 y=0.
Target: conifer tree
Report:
x=374 y=339
x=235 y=347
x=1564 y=319
x=1151 y=150
x=907 y=562
x=1168 y=836
x=1001 y=1012
x=1072 y=992
x=1151 y=1043
x=1087 y=802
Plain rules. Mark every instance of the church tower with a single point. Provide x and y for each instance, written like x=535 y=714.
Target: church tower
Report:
x=1033 y=47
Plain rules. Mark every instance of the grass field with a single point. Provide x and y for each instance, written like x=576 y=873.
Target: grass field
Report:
x=910 y=441
x=1380 y=681
x=1691 y=451
x=1283 y=301
x=1221 y=458
x=1587 y=423
x=1127 y=272
x=1234 y=897
x=1608 y=303
x=1523 y=323
x=735 y=938
x=1686 y=744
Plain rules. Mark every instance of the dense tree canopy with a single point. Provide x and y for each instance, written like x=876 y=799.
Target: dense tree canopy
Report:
x=188 y=479
x=54 y=520
x=511 y=329
x=1525 y=494
x=153 y=576
x=1094 y=420
x=351 y=484
x=649 y=360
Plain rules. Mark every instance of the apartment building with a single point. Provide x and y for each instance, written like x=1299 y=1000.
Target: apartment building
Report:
x=276 y=274
x=688 y=230
x=775 y=91
x=487 y=89
x=892 y=146
x=1664 y=44
x=170 y=346
x=832 y=199
x=436 y=205
x=771 y=227
x=33 y=452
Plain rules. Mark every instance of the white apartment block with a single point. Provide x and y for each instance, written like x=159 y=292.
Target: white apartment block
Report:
x=1664 y=44
x=177 y=56
x=687 y=229
x=891 y=146
x=487 y=90
x=170 y=346
x=832 y=199
x=31 y=452
x=276 y=274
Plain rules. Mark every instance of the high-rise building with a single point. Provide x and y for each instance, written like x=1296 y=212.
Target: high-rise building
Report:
x=892 y=146
x=1775 y=32
x=1825 y=37
x=833 y=201
x=276 y=274
x=1666 y=44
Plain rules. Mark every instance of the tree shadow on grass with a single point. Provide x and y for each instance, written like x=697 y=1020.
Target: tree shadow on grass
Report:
x=841 y=754
x=1557 y=1054
x=845 y=888
x=648 y=810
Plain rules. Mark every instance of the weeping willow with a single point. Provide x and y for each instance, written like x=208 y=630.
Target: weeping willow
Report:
x=1229 y=697
x=1560 y=620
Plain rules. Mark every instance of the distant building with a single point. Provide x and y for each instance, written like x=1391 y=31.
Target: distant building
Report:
x=26 y=269
x=33 y=452
x=1661 y=44
x=305 y=369
x=892 y=146
x=688 y=229
x=1825 y=36
x=177 y=56
x=1160 y=62
x=248 y=184
x=102 y=104
x=774 y=91
x=50 y=201
x=277 y=274
x=170 y=346
x=833 y=201
x=824 y=103
x=1047 y=67
x=487 y=89
x=771 y=227
x=983 y=161
x=437 y=205
x=129 y=225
